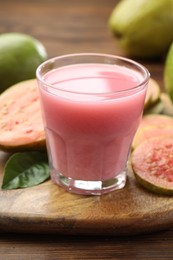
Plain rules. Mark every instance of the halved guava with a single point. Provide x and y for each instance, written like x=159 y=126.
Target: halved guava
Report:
x=146 y=133
x=153 y=94
x=168 y=75
x=155 y=108
x=21 y=126
x=167 y=104
x=152 y=163
x=153 y=126
x=156 y=120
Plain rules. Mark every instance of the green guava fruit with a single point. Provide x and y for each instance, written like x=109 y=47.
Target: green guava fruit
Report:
x=156 y=108
x=20 y=55
x=143 y=27
x=153 y=94
x=167 y=104
x=168 y=72
x=152 y=163
x=21 y=126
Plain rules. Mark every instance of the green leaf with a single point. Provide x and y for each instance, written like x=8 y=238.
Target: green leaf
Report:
x=25 y=169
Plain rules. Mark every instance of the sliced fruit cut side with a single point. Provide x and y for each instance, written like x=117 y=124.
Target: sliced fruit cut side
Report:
x=146 y=133
x=156 y=120
x=152 y=163
x=153 y=126
x=21 y=126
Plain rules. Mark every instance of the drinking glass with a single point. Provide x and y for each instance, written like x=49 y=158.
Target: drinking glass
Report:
x=92 y=105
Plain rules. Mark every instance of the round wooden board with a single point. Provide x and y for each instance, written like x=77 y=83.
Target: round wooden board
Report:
x=47 y=208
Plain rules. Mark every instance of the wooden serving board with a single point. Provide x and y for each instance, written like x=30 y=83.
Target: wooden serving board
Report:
x=47 y=208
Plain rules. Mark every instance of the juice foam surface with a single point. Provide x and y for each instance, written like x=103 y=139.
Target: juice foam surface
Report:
x=93 y=78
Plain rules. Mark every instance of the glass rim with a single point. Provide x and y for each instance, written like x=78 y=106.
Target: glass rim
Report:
x=52 y=60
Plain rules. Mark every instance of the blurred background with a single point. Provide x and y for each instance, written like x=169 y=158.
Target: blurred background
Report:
x=68 y=26
x=62 y=26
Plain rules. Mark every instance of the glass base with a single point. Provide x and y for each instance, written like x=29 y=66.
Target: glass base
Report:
x=90 y=187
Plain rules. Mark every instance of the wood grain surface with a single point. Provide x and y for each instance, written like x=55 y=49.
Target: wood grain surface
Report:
x=47 y=208
x=64 y=27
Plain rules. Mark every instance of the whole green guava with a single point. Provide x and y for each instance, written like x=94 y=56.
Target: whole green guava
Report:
x=20 y=54
x=168 y=72
x=143 y=27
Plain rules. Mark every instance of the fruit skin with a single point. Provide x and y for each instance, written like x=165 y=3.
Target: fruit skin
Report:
x=167 y=104
x=156 y=108
x=168 y=72
x=21 y=126
x=20 y=55
x=153 y=94
x=152 y=163
x=143 y=27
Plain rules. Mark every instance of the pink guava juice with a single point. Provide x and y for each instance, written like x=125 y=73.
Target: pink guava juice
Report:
x=91 y=113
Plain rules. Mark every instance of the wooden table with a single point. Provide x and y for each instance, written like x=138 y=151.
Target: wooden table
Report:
x=64 y=27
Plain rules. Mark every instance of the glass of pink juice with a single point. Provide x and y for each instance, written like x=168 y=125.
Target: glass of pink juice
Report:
x=92 y=105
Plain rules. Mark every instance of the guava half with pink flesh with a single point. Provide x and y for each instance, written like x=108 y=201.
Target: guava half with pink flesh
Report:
x=153 y=126
x=153 y=94
x=146 y=133
x=152 y=163
x=21 y=126
x=156 y=120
